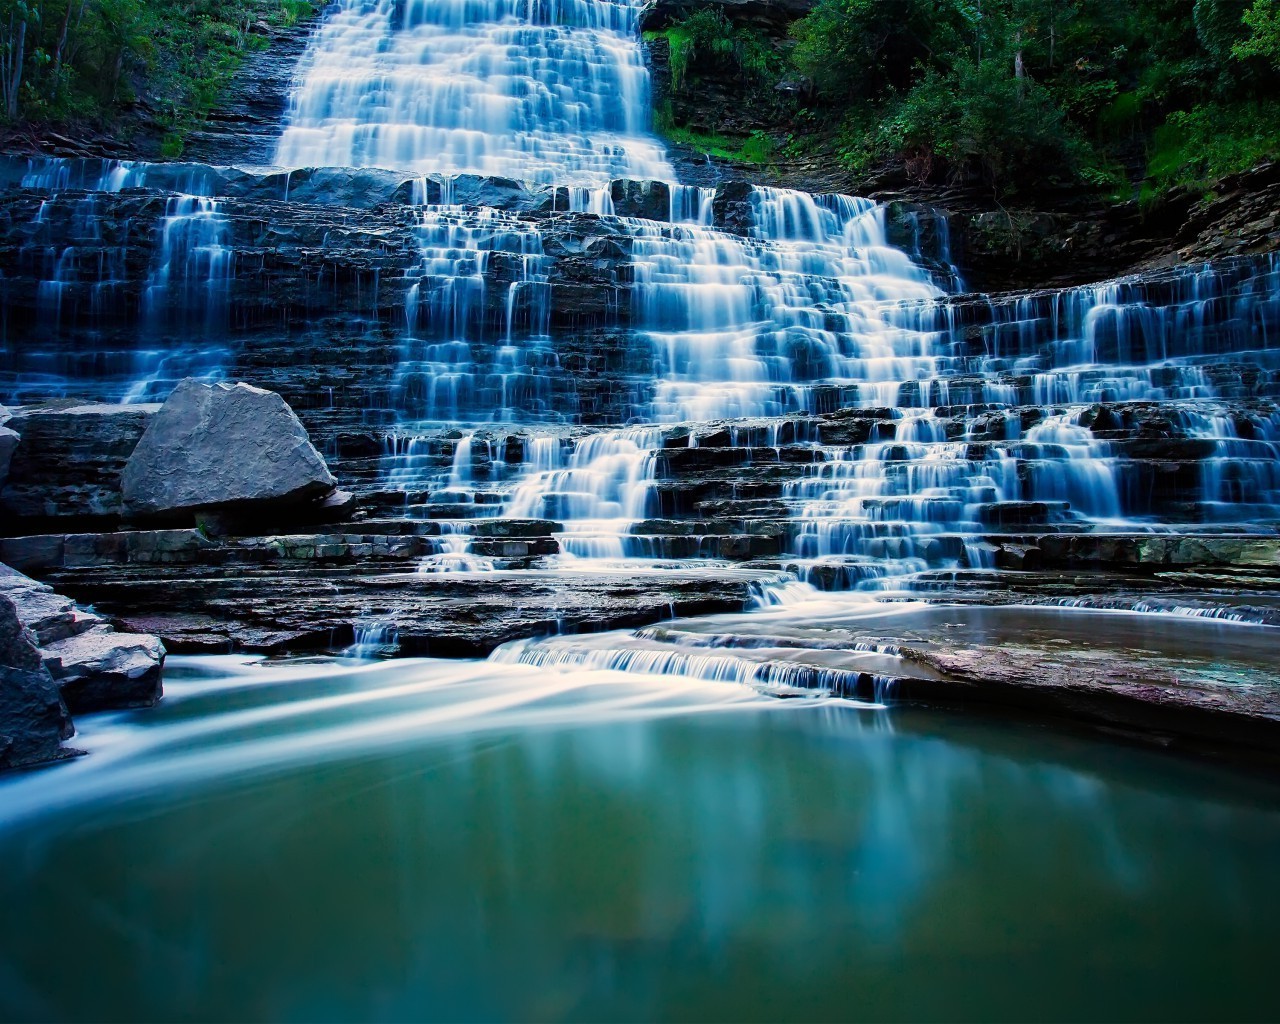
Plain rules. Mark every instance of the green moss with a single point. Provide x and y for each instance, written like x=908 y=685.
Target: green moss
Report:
x=757 y=148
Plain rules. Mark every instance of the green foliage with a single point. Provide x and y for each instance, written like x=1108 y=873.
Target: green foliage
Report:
x=758 y=148
x=707 y=42
x=91 y=59
x=1197 y=146
x=1263 y=22
x=1015 y=92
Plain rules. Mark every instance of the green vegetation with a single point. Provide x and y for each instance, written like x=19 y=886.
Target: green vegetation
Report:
x=707 y=45
x=1013 y=93
x=87 y=61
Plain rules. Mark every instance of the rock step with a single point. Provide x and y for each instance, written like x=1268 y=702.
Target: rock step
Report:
x=285 y=607
x=394 y=540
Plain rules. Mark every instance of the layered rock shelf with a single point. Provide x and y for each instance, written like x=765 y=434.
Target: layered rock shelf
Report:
x=543 y=410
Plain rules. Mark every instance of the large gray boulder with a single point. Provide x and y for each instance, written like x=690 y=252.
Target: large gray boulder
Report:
x=222 y=446
x=33 y=718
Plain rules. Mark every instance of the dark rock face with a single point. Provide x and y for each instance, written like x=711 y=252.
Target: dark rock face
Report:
x=222 y=445
x=33 y=718
x=245 y=125
x=94 y=667
x=66 y=468
x=8 y=445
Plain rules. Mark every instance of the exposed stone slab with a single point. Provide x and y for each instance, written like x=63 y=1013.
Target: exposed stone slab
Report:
x=448 y=614
x=8 y=445
x=33 y=717
x=94 y=666
x=222 y=445
x=101 y=669
x=70 y=458
x=55 y=551
x=1107 y=689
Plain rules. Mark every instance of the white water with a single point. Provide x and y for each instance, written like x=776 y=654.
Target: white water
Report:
x=551 y=91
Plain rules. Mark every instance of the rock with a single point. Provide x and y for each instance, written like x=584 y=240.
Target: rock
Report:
x=287 y=607
x=102 y=669
x=337 y=506
x=94 y=666
x=69 y=462
x=33 y=717
x=222 y=445
x=8 y=445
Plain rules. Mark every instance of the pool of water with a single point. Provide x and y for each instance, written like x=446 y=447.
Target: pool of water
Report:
x=328 y=840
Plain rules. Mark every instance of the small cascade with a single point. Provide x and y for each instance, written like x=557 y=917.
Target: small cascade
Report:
x=84 y=281
x=1178 y=336
x=478 y=345
x=187 y=294
x=446 y=473
x=92 y=283
x=599 y=492
x=1242 y=477
x=1066 y=463
x=454 y=554
x=374 y=638
x=862 y=675
x=741 y=327
x=556 y=93
x=873 y=513
x=751 y=326
x=191 y=282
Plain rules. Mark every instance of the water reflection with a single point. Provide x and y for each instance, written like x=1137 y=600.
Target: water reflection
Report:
x=476 y=841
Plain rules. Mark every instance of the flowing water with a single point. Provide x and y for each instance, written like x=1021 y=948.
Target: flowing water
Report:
x=482 y=840
x=634 y=825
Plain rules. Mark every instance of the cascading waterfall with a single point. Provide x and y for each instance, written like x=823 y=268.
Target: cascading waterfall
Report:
x=983 y=413
x=184 y=298
x=745 y=327
x=551 y=91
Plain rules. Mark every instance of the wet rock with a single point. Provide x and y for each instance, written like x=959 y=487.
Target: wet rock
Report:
x=335 y=507
x=1105 y=688
x=67 y=468
x=101 y=669
x=33 y=717
x=95 y=667
x=8 y=445
x=648 y=199
x=223 y=446
x=281 y=607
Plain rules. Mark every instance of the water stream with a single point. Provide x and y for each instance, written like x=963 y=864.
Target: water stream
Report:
x=634 y=824
x=481 y=840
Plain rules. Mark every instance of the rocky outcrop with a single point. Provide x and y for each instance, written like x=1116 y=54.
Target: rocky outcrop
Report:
x=219 y=446
x=66 y=468
x=8 y=445
x=33 y=717
x=95 y=667
x=282 y=607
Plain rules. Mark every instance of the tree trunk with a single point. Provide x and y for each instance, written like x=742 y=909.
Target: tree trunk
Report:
x=13 y=79
x=59 y=51
x=1019 y=67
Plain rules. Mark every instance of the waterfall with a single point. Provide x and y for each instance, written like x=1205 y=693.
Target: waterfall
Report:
x=872 y=423
x=551 y=91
